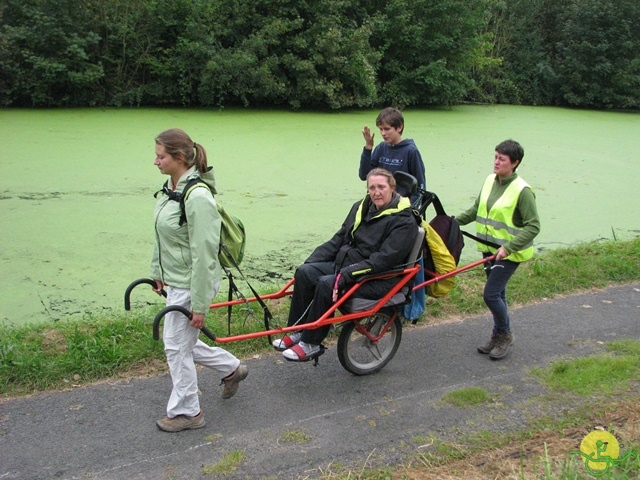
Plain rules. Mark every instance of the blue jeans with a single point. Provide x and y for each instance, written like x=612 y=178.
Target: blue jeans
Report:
x=495 y=292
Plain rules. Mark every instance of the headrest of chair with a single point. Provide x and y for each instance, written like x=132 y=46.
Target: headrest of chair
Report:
x=405 y=182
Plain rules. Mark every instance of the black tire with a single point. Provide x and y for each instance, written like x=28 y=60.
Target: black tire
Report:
x=361 y=356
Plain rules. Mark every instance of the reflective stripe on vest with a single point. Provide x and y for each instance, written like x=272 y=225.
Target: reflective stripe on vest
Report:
x=497 y=225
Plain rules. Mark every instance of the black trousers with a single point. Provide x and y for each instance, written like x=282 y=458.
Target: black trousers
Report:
x=312 y=292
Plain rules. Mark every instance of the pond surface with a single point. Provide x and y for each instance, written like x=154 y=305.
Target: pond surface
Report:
x=77 y=191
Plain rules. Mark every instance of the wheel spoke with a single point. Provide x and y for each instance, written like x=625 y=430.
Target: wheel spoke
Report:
x=359 y=341
x=375 y=350
x=358 y=354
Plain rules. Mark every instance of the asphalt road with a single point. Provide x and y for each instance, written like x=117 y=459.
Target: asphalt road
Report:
x=293 y=420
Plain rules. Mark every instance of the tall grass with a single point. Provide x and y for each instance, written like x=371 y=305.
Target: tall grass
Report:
x=43 y=357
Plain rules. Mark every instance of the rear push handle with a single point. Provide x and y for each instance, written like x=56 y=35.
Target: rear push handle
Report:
x=134 y=284
x=164 y=311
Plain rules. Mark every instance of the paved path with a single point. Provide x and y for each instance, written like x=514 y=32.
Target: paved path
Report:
x=108 y=431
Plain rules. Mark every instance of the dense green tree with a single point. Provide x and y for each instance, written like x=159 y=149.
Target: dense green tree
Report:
x=46 y=54
x=583 y=53
x=286 y=52
x=429 y=49
x=532 y=51
x=321 y=54
x=599 y=54
x=129 y=45
x=521 y=46
x=186 y=40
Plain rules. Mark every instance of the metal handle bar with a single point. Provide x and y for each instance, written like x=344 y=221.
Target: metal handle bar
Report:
x=127 y=293
x=185 y=312
x=437 y=278
x=164 y=311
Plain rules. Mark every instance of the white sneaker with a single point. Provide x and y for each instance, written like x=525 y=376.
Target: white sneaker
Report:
x=287 y=341
x=303 y=353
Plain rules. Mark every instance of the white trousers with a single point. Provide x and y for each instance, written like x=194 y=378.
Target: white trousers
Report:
x=183 y=350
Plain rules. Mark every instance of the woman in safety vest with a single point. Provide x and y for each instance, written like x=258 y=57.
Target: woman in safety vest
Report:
x=506 y=216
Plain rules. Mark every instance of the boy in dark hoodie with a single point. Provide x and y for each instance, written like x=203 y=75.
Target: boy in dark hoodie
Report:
x=393 y=154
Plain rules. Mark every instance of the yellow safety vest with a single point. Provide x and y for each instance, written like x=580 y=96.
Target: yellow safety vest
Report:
x=497 y=225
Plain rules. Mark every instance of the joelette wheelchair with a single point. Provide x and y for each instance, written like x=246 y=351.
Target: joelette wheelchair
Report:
x=370 y=331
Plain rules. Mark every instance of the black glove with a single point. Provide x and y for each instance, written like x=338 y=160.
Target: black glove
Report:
x=352 y=273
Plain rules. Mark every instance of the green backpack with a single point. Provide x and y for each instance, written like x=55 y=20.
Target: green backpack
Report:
x=232 y=234
x=232 y=239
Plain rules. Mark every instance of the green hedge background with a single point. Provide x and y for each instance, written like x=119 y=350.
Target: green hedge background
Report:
x=319 y=54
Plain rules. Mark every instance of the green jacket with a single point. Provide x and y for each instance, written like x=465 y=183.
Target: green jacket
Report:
x=187 y=256
x=525 y=215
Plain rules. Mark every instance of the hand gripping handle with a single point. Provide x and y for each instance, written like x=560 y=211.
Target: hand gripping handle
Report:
x=185 y=312
x=127 y=293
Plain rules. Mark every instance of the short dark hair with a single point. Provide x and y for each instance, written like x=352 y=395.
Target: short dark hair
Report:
x=512 y=149
x=392 y=116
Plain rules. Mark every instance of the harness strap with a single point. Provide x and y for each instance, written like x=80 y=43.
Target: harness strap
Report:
x=265 y=309
x=480 y=240
x=181 y=197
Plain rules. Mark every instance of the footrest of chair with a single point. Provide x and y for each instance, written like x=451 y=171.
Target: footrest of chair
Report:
x=315 y=356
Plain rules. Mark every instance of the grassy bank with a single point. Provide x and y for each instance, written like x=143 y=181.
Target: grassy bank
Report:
x=62 y=354
x=586 y=395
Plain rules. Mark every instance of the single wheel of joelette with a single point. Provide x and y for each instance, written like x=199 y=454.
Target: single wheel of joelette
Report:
x=363 y=353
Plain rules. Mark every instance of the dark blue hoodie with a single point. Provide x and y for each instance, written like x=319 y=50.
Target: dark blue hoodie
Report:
x=403 y=157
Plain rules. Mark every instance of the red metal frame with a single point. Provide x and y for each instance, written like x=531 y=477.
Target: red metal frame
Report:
x=436 y=278
x=329 y=316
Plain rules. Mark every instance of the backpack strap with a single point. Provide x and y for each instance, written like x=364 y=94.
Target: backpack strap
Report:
x=432 y=198
x=437 y=204
x=480 y=240
x=191 y=184
x=181 y=197
x=267 y=315
x=168 y=192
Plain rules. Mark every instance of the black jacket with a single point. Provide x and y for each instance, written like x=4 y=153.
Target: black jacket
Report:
x=382 y=240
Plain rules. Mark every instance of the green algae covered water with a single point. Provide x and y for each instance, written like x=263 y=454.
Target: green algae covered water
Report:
x=77 y=187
